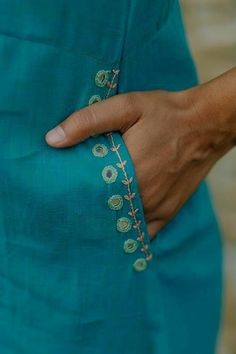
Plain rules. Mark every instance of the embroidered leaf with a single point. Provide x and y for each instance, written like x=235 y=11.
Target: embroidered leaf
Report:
x=140 y=238
x=129 y=180
x=111 y=85
x=121 y=164
x=130 y=196
x=116 y=71
x=115 y=148
x=144 y=248
x=137 y=224
x=132 y=213
x=149 y=257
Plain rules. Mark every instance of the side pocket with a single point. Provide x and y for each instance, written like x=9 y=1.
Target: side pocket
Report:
x=131 y=172
x=126 y=199
x=132 y=195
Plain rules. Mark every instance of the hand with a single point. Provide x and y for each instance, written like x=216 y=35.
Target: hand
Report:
x=171 y=148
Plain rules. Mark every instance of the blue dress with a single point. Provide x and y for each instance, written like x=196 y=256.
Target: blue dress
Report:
x=78 y=272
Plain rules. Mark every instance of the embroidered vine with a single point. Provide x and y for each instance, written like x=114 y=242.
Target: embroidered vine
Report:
x=127 y=181
x=110 y=173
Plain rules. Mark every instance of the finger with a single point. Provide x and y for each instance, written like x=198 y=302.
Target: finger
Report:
x=154 y=227
x=175 y=200
x=181 y=191
x=114 y=113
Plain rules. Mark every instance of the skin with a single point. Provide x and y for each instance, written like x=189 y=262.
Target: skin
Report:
x=182 y=133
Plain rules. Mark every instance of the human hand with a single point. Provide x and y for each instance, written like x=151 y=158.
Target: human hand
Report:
x=172 y=149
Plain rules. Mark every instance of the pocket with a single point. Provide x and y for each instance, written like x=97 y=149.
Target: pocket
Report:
x=131 y=172
x=134 y=212
x=124 y=195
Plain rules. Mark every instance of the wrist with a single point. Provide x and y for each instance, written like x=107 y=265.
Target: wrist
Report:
x=212 y=116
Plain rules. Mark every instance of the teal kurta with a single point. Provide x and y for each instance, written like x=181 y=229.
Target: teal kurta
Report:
x=78 y=273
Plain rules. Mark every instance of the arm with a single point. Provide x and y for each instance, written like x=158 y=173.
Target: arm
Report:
x=215 y=105
x=183 y=133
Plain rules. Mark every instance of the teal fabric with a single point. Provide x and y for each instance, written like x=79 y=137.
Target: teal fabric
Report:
x=66 y=283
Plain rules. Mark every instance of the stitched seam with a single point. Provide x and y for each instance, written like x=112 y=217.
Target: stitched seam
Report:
x=126 y=31
x=64 y=49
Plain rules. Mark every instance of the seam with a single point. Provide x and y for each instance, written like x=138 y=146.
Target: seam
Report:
x=122 y=54
x=66 y=50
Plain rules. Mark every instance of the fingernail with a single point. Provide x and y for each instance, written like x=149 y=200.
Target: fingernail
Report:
x=55 y=135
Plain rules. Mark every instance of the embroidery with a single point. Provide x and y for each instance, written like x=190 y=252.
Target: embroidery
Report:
x=94 y=99
x=115 y=202
x=130 y=195
x=109 y=174
x=140 y=264
x=101 y=78
x=124 y=224
x=130 y=245
x=100 y=150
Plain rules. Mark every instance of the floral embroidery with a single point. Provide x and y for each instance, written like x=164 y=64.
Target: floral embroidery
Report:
x=124 y=224
x=140 y=264
x=109 y=174
x=94 y=99
x=115 y=202
x=101 y=77
x=130 y=245
x=100 y=150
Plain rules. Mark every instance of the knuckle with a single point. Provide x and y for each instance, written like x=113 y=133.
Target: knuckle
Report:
x=75 y=120
x=90 y=119
x=72 y=123
x=85 y=120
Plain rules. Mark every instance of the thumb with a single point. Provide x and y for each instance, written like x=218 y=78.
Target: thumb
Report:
x=114 y=113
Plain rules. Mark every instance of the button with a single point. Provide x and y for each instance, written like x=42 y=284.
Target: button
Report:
x=101 y=77
x=115 y=202
x=94 y=99
x=109 y=174
x=100 y=150
x=124 y=224
x=130 y=245
x=140 y=264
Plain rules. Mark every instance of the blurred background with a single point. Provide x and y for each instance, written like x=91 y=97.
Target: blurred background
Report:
x=211 y=30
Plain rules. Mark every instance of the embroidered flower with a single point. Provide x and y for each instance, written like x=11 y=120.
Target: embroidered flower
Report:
x=115 y=202
x=123 y=224
x=100 y=150
x=109 y=174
